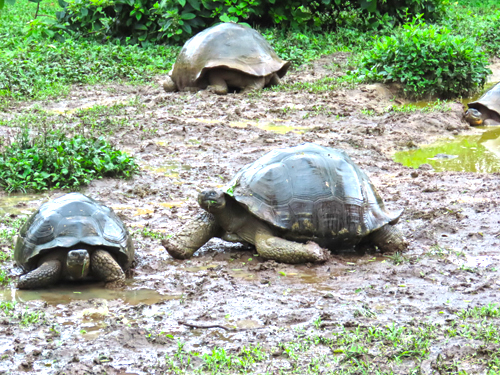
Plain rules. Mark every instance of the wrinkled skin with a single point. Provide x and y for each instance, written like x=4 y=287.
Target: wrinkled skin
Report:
x=477 y=118
x=62 y=264
x=220 y=81
x=230 y=221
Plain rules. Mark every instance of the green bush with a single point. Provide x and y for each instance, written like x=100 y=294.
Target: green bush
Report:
x=56 y=161
x=428 y=60
x=153 y=21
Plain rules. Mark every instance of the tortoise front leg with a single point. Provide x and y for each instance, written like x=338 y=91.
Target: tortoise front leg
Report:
x=281 y=250
x=217 y=82
x=104 y=267
x=46 y=274
x=193 y=235
x=388 y=239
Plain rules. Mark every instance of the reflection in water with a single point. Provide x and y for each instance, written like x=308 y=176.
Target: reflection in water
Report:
x=68 y=293
x=474 y=153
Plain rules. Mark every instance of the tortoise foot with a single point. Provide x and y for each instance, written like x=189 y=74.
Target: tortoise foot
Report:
x=281 y=250
x=46 y=274
x=389 y=239
x=169 y=85
x=105 y=267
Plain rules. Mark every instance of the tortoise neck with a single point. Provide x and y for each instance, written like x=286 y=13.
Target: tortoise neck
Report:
x=234 y=218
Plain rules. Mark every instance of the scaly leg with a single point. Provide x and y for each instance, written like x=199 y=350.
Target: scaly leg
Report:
x=217 y=83
x=105 y=267
x=274 y=81
x=193 y=235
x=388 y=239
x=281 y=250
x=257 y=83
x=46 y=274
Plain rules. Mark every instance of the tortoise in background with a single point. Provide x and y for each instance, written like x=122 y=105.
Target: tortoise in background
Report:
x=485 y=110
x=292 y=203
x=70 y=238
x=226 y=56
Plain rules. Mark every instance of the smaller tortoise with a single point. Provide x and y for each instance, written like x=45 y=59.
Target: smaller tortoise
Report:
x=225 y=56
x=485 y=110
x=73 y=237
x=290 y=204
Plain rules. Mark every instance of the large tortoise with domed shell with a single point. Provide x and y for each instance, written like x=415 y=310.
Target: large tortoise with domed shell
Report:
x=293 y=204
x=223 y=57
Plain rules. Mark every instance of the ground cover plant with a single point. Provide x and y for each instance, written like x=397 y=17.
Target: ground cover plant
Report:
x=54 y=160
x=32 y=65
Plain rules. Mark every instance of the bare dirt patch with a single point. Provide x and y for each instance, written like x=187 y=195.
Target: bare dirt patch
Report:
x=186 y=142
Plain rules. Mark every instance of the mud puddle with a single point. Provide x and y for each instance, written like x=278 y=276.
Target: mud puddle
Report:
x=61 y=294
x=17 y=204
x=462 y=153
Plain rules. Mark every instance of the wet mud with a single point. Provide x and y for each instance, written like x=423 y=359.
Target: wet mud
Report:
x=185 y=142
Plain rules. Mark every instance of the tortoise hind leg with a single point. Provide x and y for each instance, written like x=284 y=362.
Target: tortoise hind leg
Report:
x=388 y=239
x=105 y=267
x=281 y=250
x=46 y=274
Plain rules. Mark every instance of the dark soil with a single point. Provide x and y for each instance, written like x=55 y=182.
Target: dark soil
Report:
x=185 y=142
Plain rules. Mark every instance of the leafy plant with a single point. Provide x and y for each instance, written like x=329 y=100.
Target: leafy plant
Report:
x=53 y=160
x=428 y=60
x=153 y=21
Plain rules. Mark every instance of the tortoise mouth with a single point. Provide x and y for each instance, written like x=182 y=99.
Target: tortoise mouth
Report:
x=78 y=264
x=212 y=200
x=473 y=117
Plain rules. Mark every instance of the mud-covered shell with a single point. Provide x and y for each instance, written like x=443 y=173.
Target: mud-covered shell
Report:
x=490 y=101
x=227 y=45
x=71 y=220
x=311 y=192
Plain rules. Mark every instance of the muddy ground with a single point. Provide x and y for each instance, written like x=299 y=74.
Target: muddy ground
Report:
x=185 y=142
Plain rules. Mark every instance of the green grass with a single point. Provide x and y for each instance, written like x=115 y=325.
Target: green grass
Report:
x=370 y=348
x=36 y=68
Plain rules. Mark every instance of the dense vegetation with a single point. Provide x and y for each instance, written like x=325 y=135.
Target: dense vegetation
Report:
x=153 y=21
x=55 y=160
x=39 y=66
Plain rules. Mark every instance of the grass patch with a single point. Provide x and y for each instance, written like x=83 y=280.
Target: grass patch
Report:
x=54 y=160
x=36 y=68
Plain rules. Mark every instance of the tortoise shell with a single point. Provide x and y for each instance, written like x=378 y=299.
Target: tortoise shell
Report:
x=227 y=45
x=310 y=192
x=489 y=103
x=68 y=221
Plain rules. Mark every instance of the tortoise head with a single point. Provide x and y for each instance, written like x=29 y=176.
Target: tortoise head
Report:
x=77 y=264
x=212 y=200
x=474 y=117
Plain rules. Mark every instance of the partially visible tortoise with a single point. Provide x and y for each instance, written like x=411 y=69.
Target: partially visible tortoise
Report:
x=70 y=238
x=290 y=204
x=225 y=56
x=485 y=110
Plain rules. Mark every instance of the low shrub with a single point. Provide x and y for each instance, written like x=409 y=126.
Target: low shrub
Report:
x=153 y=21
x=54 y=160
x=428 y=60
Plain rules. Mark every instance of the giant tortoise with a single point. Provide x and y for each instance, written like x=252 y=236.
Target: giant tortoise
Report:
x=485 y=110
x=70 y=238
x=292 y=203
x=225 y=56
